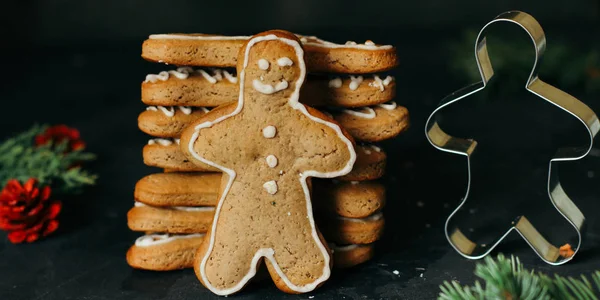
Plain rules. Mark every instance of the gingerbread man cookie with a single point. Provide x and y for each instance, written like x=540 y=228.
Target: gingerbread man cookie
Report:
x=268 y=146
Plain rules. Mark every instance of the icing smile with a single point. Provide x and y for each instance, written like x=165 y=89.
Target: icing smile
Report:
x=269 y=89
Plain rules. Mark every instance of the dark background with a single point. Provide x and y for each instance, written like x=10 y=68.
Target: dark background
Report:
x=78 y=62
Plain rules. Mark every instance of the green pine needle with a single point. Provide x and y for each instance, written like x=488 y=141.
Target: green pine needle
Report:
x=50 y=164
x=507 y=279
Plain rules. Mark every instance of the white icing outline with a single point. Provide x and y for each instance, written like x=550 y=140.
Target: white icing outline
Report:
x=196 y=37
x=370 y=114
x=344 y=248
x=185 y=72
x=230 y=77
x=207 y=76
x=353 y=45
x=160 y=141
x=180 y=208
x=388 y=105
x=186 y=110
x=378 y=83
x=374 y=217
x=387 y=80
x=355 y=82
x=193 y=208
x=180 y=73
x=335 y=83
x=268 y=253
x=169 y=112
x=158 y=239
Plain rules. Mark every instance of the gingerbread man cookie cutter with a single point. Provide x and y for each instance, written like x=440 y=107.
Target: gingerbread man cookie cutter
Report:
x=561 y=201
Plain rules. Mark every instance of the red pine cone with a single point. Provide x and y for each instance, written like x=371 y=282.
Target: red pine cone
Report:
x=26 y=212
x=59 y=133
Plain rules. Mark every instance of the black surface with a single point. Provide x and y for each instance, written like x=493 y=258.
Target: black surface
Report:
x=96 y=88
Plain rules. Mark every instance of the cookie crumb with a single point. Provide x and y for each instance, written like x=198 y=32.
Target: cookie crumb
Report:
x=421 y=275
x=289 y=213
x=396 y=272
x=420 y=269
x=310 y=297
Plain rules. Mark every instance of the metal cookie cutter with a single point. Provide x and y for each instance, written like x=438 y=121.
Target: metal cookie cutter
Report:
x=561 y=201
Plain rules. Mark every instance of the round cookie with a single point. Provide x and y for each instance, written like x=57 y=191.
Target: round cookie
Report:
x=342 y=230
x=164 y=252
x=370 y=164
x=352 y=199
x=178 y=189
x=370 y=161
x=222 y=51
x=169 y=121
x=384 y=124
x=214 y=87
x=165 y=153
x=176 y=220
x=348 y=199
x=348 y=256
x=189 y=87
x=379 y=123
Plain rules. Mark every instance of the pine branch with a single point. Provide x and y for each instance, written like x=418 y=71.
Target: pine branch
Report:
x=507 y=279
x=50 y=164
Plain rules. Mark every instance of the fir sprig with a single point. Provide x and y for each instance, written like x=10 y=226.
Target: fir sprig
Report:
x=507 y=279
x=51 y=164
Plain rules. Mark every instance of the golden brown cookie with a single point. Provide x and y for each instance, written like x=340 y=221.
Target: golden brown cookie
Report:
x=171 y=220
x=348 y=256
x=214 y=87
x=165 y=153
x=164 y=252
x=374 y=124
x=342 y=230
x=351 y=199
x=178 y=189
x=206 y=50
x=364 y=124
x=268 y=145
x=370 y=162
x=164 y=121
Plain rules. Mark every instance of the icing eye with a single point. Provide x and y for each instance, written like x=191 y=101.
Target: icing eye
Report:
x=263 y=64
x=284 y=61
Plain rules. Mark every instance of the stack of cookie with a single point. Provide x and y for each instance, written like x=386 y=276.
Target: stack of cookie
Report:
x=175 y=208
